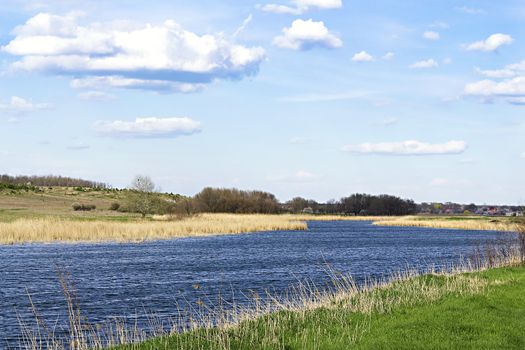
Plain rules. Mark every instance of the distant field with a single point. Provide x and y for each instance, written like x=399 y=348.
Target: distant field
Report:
x=47 y=216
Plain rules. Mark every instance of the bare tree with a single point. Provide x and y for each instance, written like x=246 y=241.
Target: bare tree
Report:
x=142 y=199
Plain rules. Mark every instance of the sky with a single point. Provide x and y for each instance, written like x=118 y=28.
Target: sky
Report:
x=424 y=99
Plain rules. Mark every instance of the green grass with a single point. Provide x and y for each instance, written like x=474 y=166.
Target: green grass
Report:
x=482 y=310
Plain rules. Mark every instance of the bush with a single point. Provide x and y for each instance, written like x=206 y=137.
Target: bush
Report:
x=84 y=207
x=114 y=206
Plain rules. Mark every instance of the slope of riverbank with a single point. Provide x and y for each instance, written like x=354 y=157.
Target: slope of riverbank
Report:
x=480 y=310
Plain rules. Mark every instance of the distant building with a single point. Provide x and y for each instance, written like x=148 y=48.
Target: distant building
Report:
x=308 y=210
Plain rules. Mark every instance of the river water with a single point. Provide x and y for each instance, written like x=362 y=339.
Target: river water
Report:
x=128 y=280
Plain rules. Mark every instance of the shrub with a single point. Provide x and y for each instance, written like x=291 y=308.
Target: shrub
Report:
x=114 y=206
x=84 y=207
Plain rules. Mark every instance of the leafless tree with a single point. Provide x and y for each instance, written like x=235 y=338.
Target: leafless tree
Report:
x=142 y=199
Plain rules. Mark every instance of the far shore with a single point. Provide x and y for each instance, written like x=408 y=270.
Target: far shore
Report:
x=51 y=229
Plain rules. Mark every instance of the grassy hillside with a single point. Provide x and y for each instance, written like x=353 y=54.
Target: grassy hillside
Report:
x=42 y=202
x=481 y=310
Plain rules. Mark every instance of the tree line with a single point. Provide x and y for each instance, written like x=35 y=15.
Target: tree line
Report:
x=51 y=181
x=145 y=200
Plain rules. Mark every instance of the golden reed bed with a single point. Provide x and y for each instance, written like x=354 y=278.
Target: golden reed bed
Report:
x=478 y=224
x=54 y=229
x=46 y=230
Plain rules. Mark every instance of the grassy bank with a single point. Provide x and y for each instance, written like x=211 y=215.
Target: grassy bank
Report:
x=479 y=310
x=478 y=305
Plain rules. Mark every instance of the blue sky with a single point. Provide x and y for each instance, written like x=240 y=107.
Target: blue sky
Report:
x=318 y=98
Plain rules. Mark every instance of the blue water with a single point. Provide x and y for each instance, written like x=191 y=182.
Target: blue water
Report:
x=126 y=280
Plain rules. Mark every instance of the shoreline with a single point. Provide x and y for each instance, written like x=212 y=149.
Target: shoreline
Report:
x=70 y=230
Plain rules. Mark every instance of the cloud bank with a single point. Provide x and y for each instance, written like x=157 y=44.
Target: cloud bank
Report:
x=507 y=83
x=408 y=148
x=163 y=56
x=149 y=127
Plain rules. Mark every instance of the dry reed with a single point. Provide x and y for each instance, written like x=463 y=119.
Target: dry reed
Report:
x=473 y=224
x=56 y=230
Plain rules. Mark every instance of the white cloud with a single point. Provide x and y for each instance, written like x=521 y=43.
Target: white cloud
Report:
x=508 y=71
x=141 y=84
x=408 y=148
x=492 y=43
x=507 y=83
x=431 y=35
x=164 y=54
x=96 y=96
x=430 y=63
x=149 y=127
x=19 y=105
x=301 y=6
x=363 y=56
x=508 y=87
x=243 y=26
x=388 y=56
x=470 y=10
x=303 y=35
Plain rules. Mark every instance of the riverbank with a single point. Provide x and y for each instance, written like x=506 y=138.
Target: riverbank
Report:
x=73 y=229
x=473 y=310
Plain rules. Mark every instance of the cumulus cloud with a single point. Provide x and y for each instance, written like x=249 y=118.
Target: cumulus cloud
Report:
x=431 y=35
x=492 y=43
x=430 y=63
x=149 y=127
x=363 y=56
x=407 y=148
x=507 y=83
x=509 y=71
x=509 y=90
x=19 y=105
x=304 y=35
x=301 y=6
x=163 y=55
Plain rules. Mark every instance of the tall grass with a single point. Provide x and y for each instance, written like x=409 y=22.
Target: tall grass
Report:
x=413 y=221
x=55 y=229
x=262 y=324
